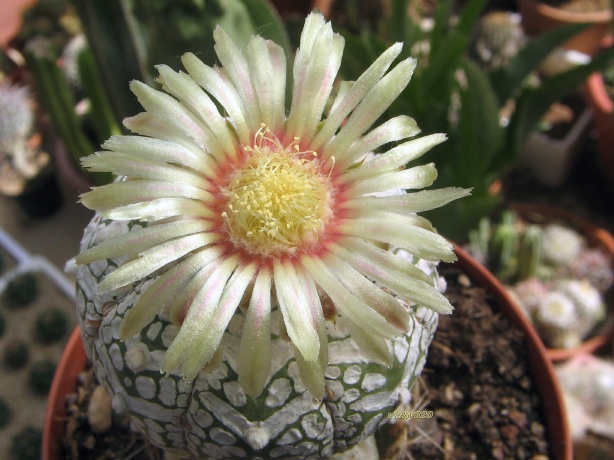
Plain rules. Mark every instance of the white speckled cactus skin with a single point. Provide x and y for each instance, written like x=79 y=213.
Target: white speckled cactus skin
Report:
x=212 y=417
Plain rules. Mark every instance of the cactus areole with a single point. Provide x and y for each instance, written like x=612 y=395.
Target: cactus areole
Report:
x=256 y=283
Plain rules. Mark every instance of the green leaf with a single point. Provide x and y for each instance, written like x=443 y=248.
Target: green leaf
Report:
x=119 y=57
x=479 y=135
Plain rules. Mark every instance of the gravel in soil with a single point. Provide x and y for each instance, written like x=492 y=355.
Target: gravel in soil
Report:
x=478 y=386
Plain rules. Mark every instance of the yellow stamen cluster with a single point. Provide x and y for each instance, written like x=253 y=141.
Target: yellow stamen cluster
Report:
x=278 y=201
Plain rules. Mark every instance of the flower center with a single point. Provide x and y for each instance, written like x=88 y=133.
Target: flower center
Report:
x=278 y=201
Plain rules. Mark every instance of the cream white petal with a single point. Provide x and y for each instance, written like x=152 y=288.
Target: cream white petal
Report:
x=315 y=82
x=261 y=71
x=237 y=70
x=407 y=203
x=374 y=347
x=192 y=348
x=226 y=95
x=410 y=288
x=401 y=231
x=410 y=178
x=171 y=111
x=347 y=303
x=119 y=194
x=254 y=361
x=393 y=159
x=127 y=165
x=373 y=295
x=153 y=259
x=371 y=107
x=292 y=304
x=159 y=209
x=393 y=130
x=193 y=97
x=160 y=150
x=147 y=124
x=139 y=240
x=349 y=99
x=163 y=291
x=369 y=259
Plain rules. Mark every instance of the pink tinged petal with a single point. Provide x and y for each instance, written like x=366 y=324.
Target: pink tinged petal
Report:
x=393 y=130
x=193 y=347
x=295 y=311
x=137 y=241
x=320 y=70
x=411 y=178
x=118 y=194
x=312 y=372
x=159 y=150
x=215 y=85
x=409 y=284
x=354 y=95
x=171 y=111
x=424 y=200
x=152 y=259
x=314 y=25
x=227 y=306
x=348 y=305
x=375 y=348
x=235 y=65
x=159 y=209
x=265 y=58
x=126 y=165
x=372 y=106
x=375 y=262
x=278 y=61
x=178 y=306
x=192 y=96
x=400 y=231
x=147 y=124
x=393 y=159
x=385 y=304
x=164 y=291
x=342 y=90
x=254 y=361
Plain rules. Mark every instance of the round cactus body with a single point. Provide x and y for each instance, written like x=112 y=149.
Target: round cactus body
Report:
x=211 y=416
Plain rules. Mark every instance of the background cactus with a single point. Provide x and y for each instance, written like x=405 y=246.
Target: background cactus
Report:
x=21 y=157
x=589 y=381
x=550 y=271
x=498 y=38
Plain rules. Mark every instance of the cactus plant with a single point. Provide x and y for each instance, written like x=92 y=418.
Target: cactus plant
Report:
x=589 y=381
x=497 y=39
x=238 y=255
x=21 y=158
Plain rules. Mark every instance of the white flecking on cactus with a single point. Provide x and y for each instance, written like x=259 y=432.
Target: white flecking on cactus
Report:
x=253 y=255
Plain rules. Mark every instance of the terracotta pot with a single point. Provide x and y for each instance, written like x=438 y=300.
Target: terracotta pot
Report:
x=596 y=237
x=546 y=382
x=64 y=382
x=603 y=115
x=538 y=17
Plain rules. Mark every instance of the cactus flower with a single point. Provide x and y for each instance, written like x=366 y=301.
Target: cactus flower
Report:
x=235 y=205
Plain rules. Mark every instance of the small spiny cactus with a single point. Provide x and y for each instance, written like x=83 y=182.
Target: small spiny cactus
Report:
x=498 y=38
x=562 y=245
x=555 y=318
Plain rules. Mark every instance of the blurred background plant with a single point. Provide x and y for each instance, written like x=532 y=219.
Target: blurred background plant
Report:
x=83 y=54
x=480 y=90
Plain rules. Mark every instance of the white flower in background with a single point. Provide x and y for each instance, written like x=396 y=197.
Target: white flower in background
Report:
x=255 y=208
